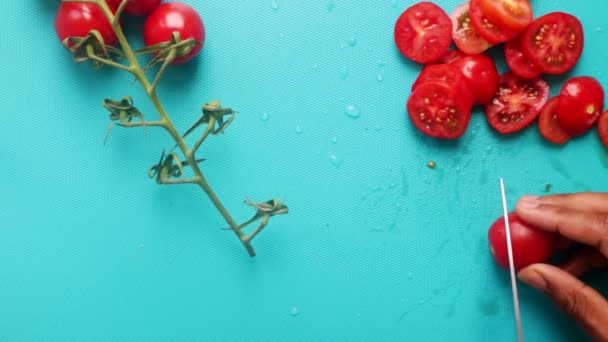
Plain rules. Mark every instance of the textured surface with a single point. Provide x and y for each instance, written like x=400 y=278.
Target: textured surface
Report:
x=377 y=247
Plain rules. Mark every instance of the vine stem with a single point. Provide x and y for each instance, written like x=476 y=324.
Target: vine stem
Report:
x=165 y=122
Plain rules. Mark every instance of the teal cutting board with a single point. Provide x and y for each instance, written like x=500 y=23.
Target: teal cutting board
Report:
x=376 y=246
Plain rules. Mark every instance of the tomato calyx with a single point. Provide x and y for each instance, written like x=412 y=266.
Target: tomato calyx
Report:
x=122 y=112
x=91 y=47
x=167 y=52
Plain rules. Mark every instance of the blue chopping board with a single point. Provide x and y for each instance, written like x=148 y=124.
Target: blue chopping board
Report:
x=376 y=247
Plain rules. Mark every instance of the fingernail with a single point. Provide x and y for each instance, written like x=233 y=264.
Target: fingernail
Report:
x=532 y=278
x=529 y=202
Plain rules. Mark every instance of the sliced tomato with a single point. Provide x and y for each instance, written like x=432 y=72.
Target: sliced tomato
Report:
x=553 y=42
x=464 y=35
x=602 y=128
x=581 y=101
x=439 y=110
x=514 y=15
x=547 y=123
x=480 y=75
x=448 y=57
x=486 y=27
x=447 y=73
x=517 y=60
x=423 y=32
x=517 y=102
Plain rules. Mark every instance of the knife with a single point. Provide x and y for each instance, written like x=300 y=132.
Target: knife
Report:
x=520 y=333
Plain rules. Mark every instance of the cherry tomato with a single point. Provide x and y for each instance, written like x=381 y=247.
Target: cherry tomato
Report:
x=481 y=76
x=547 y=123
x=517 y=102
x=138 y=7
x=449 y=56
x=514 y=15
x=446 y=73
x=439 y=110
x=77 y=19
x=517 y=60
x=602 y=128
x=464 y=35
x=486 y=27
x=529 y=245
x=423 y=32
x=581 y=101
x=553 y=42
x=170 y=17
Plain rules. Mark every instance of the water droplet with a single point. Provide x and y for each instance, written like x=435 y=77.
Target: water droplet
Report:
x=294 y=311
x=352 y=111
x=344 y=72
x=379 y=78
x=377 y=127
x=334 y=140
x=299 y=129
x=409 y=276
x=381 y=62
x=330 y=6
x=274 y=5
x=334 y=160
x=264 y=117
x=141 y=246
x=488 y=307
x=342 y=46
x=599 y=29
x=352 y=41
x=315 y=66
x=282 y=35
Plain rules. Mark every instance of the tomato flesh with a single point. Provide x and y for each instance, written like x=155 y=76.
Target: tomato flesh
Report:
x=517 y=103
x=547 y=123
x=581 y=101
x=517 y=60
x=529 y=245
x=439 y=110
x=554 y=42
x=423 y=32
x=511 y=14
x=77 y=19
x=486 y=27
x=602 y=128
x=464 y=35
x=481 y=76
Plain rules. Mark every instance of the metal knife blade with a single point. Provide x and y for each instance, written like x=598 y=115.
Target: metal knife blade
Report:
x=511 y=265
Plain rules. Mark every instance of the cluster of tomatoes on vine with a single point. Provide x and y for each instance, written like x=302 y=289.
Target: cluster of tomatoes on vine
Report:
x=453 y=81
x=162 y=22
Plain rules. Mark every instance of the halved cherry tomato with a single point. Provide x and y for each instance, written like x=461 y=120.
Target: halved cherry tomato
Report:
x=449 y=56
x=517 y=60
x=464 y=35
x=517 y=102
x=602 y=128
x=439 y=110
x=446 y=73
x=547 y=123
x=481 y=76
x=553 y=42
x=581 y=101
x=423 y=32
x=486 y=27
x=514 y=15
x=529 y=245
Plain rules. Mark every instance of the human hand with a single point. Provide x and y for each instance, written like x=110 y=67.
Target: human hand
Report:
x=579 y=218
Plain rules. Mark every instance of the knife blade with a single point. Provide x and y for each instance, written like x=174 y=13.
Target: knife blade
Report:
x=516 y=309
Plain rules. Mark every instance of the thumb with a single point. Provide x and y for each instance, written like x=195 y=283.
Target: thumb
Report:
x=579 y=301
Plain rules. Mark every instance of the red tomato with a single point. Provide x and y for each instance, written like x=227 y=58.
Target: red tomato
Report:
x=514 y=15
x=439 y=110
x=449 y=56
x=170 y=17
x=446 y=73
x=464 y=35
x=138 y=7
x=517 y=102
x=517 y=60
x=547 y=123
x=602 y=128
x=486 y=27
x=529 y=245
x=581 y=101
x=423 y=32
x=77 y=19
x=481 y=76
x=553 y=42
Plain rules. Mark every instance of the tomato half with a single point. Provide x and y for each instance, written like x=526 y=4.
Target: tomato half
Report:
x=138 y=7
x=449 y=56
x=464 y=35
x=517 y=60
x=511 y=14
x=440 y=72
x=486 y=27
x=77 y=19
x=529 y=245
x=554 y=42
x=602 y=128
x=481 y=76
x=171 y=17
x=547 y=123
x=581 y=101
x=423 y=32
x=439 y=110
x=517 y=102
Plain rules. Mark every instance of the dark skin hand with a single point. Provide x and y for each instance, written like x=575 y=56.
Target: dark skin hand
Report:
x=582 y=219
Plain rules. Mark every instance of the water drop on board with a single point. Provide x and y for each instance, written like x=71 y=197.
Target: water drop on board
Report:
x=294 y=311
x=264 y=117
x=330 y=6
x=599 y=29
x=344 y=72
x=334 y=140
x=299 y=130
x=274 y=6
x=379 y=78
x=352 y=41
x=352 y=111
x=381 y=62
x=334 y=160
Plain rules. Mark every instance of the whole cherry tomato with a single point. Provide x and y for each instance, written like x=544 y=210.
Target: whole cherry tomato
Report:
x=77 y=19
x=175 y=17
x=581 y=101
